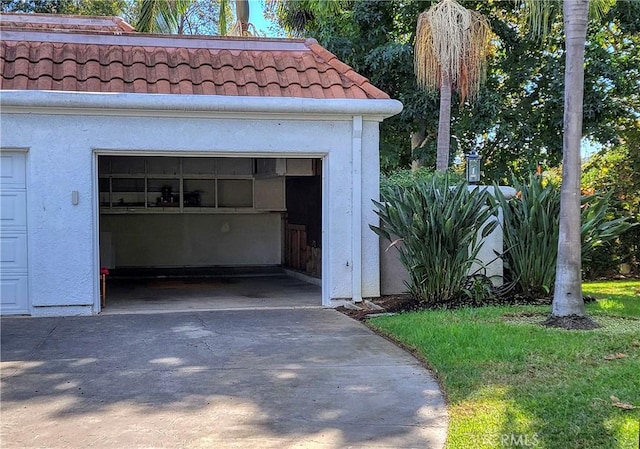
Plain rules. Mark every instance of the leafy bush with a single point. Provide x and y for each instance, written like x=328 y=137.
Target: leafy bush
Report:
x=409 y=177
x=434 y=226
x=616 y=170
x=531 y=230
x=599 y=228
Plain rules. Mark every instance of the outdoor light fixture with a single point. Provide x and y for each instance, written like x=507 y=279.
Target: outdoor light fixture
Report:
x=473 y=167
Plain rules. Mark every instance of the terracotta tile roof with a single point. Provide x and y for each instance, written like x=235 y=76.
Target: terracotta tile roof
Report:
x=104 y=54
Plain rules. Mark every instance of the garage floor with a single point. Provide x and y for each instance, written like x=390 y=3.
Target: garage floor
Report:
x=219 y=293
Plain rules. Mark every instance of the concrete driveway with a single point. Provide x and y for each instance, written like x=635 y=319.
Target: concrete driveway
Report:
x=308 y=378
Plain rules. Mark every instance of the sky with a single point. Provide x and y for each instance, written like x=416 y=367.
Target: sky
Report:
x=256 y=17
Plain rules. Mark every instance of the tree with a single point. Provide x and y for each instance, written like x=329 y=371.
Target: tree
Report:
x=207 y=17
x=450 y=53
x=567 y=296
x=161 y=16
x=242 y=25
x=519 y=120
x=183 y=16
x=615 y=170
x=76 y=7
x=375 y=38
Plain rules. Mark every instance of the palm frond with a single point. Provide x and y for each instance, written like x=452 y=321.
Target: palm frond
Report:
x=452 y=40
x=223 y=17
x=541 y=14
x=161 y=16
x=295 y=15
x=598 y=8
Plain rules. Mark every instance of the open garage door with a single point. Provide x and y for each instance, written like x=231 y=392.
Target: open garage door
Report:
x=177 y=221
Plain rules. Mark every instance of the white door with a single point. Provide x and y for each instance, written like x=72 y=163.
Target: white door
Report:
x=14 y=295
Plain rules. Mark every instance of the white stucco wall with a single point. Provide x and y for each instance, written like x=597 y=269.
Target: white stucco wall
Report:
x=64 y=136
x=193 y=240
x=371 y=282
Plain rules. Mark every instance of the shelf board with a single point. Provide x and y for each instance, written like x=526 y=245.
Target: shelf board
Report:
x=186 y=210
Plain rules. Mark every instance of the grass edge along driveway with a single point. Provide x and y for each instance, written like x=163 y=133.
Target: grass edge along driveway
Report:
x=513 y=383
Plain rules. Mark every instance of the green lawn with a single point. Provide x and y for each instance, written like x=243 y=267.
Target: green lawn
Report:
x=621 y=298
x=513 y=383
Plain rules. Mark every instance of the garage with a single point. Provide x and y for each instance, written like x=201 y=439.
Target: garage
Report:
x=184 y=159
x=207 y=229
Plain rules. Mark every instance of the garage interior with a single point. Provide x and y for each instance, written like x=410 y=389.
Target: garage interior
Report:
x=199 y=232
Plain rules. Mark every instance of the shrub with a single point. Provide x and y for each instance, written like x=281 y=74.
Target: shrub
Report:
x=409 y=177
x=615 y=169
x=599 y=228
x=434 y=226
x=531 y=229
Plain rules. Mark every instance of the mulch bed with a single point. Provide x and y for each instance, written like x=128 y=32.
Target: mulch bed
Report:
x=389 y=304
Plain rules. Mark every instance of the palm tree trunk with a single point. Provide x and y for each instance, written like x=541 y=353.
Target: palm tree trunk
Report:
x=417 y=140
x=242 y=12
x=567 y=298
x=444 y=124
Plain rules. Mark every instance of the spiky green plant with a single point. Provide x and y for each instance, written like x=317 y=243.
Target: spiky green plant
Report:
x=438 y=230
x=531 y=230
x=531 y=235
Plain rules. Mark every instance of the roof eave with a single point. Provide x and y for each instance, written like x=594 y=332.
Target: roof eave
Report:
x=180 y=104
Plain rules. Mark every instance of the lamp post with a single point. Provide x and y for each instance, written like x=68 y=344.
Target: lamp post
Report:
x=473 y=167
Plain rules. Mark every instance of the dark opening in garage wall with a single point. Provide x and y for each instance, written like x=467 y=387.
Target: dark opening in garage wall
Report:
x=304 y=206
